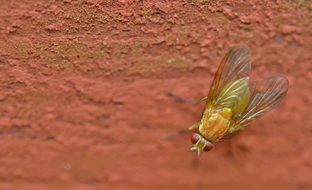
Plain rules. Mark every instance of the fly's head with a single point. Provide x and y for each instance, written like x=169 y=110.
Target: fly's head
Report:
x=200 y=144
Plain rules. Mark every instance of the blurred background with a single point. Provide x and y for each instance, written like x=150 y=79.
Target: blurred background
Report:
x=84 y=94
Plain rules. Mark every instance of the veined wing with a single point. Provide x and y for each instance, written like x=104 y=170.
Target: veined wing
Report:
x=231 y=79
x=265 y=96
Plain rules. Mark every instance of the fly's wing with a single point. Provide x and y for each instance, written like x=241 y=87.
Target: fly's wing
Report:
x=265 y=96
x=231 y=79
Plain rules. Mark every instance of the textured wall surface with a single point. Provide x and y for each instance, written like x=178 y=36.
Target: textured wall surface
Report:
x=84 y=94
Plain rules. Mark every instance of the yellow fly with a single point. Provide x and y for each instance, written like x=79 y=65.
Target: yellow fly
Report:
x=233 y=101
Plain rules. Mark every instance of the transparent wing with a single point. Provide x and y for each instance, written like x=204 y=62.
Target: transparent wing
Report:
x=265 y=96
x=231 y=78
x=235 y=96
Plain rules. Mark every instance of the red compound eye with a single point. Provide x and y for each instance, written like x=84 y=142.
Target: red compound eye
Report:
x=195 y=137
x=208 y=147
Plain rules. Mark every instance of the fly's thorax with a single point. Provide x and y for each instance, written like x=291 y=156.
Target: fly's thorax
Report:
x=226 y=113
x=215 y=124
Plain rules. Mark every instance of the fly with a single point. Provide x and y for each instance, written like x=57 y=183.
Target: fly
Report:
x=234 y=101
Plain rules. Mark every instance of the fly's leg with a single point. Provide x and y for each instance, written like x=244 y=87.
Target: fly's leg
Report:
x=194 y=126
x=185 y=100
x=234 y=129
x=202 y=100
x=182 y=132
x=177 y=134
x=230 y=150
x=196 y=162
x=181 y=99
